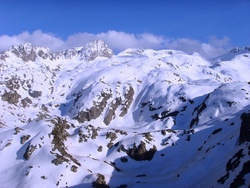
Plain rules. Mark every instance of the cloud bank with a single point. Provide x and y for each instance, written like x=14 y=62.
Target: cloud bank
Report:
x=119 y=41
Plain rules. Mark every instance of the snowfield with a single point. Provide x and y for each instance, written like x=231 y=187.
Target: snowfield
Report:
x=142 y=118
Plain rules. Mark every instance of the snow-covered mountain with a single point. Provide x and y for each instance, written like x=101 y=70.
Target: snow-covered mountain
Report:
x=142 y=118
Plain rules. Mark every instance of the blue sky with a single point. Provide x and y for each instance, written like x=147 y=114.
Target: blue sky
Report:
x=171 y=23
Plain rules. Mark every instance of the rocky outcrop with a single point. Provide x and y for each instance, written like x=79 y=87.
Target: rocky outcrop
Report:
x=100 y=182
x=59 y=137
x=25 y=52
x=111 y=112
x=95 y=111
x=26 y=101
x=94 y=49
x=87 y=132
x=11 y=97
x=245 y=128
x=35 y=94
x=198 y=110
x=128 y=101
x=140 y=153
x=29 y=150
x=24 y=138
x=89 y=52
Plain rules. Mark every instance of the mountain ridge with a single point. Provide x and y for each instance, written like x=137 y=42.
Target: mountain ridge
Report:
x=139 y=118
x=93 y=49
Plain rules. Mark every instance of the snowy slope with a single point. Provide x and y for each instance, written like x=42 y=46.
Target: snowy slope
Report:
x=142 y=118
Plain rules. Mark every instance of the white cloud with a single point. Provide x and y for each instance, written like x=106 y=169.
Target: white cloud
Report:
x=118 y=41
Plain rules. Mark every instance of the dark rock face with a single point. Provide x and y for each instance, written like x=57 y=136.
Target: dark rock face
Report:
x=13 y=83
x=140 y=153
x=11 y=97
x=198 y=110
x=232 y=164
x=26 y=101
x=25 y=52
x=111 y=112
x=29 y=150
x=60 y=135
x=100 y=182
x=95 y=111
x=245 y=128
x=35 y=94
x=239 y=180
x=110 y=135
x=128 y=101
x=73 y=168
x=24 y=138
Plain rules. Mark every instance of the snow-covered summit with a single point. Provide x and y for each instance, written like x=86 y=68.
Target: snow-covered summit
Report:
x=96 y=48
x=240 y=50
x=142 y=118
x=234 y=53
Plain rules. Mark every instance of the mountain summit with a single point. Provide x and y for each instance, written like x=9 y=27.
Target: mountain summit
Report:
x=89 y=52
x=85 y=117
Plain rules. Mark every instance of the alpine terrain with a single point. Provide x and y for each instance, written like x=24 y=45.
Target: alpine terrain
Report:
x=86 y=117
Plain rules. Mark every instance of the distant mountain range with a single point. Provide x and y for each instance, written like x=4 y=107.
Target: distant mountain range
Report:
x=86 y=117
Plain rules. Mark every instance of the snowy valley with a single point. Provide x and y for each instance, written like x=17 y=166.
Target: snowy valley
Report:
x=86 y=117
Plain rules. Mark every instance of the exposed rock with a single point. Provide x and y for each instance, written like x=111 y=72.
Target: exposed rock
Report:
x=163 y=132
x=94 y=133
x=24 y=138
x=82 y=137
x=240 y=180
x=128 y=101
x=3 y=56
x=198 y=111
x=73 y=168
x=148 y=136
x=25 y=52
x=59 y=159
x=245 y=128
x=100 y=182
x=110 y=144
x=26 y=101
x=235 y=160
x=60 y=135
x=17 y=130
x=217 y=131
x=44 y=108
x=165 y=114
x=140 y=153
x=29 y=150
x=94 y=49
x=99 y=149
x=44 y=177
x=111 y=135
x=13 y=83
x=232 y=164
x=121 y=132
x=111 y=112
x=35 y=94
x=11 y=97
x=86 y=132
x=95 y=111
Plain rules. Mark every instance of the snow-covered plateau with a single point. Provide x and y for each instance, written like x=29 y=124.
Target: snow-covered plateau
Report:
x=86 y=117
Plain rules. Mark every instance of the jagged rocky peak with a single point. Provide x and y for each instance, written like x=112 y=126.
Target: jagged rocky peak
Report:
x=24 y=51
x=96 y=48
x=28 y=52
